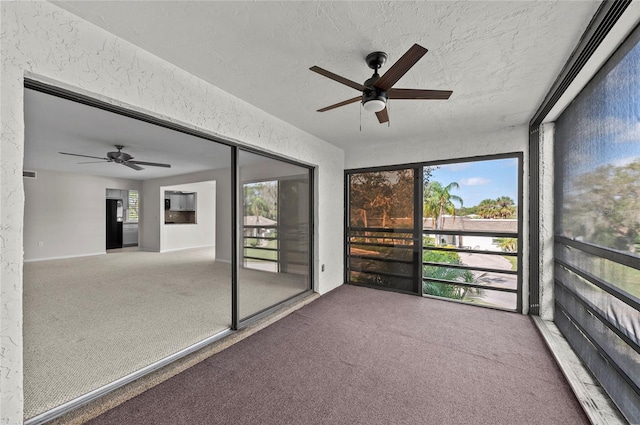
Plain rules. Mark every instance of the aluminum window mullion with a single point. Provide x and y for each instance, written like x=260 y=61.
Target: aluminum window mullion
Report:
x=606 y=253
x=604 y=285
x=587 y=306
x=470 y=285
x=464 y=267
x=471 y=251
x=600 y=350
x=470 y=233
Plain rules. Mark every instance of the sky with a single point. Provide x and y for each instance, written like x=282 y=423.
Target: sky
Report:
x=480 y=180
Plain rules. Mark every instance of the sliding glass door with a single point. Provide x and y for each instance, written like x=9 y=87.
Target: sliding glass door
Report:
x=382 y=240
x=275 y=239
x=449 y=230
x=199 y=239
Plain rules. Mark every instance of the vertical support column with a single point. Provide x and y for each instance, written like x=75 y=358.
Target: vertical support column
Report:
x=534 y=220
x=547 y=228
x=235 y=220
x=417 y=226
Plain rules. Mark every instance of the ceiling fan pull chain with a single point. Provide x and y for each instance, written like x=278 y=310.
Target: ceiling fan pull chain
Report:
x=360 y=108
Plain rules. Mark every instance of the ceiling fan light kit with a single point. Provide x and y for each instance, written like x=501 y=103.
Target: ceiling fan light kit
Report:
x=378 y=89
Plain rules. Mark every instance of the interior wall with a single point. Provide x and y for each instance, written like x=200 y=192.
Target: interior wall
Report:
x=508 y=140
x=199 y=235
x=64 y=214
x=43 y=42
x=152 y=216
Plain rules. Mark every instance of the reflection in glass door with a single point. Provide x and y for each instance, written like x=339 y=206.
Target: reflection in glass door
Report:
x=275 y=239
x=382 y=245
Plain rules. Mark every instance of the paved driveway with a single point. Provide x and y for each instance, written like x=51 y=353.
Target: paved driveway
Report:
x=496 y=298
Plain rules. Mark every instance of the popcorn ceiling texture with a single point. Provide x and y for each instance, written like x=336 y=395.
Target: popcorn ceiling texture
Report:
x=43 y=42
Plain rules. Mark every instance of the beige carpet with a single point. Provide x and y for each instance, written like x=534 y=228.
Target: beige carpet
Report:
x=90 y=321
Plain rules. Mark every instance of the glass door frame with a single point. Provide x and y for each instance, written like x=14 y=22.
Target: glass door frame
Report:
x=418 y=220
x=235 y=323
x=416 y=234
x=238 y=237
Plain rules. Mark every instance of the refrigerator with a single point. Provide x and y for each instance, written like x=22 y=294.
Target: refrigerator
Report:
x=115 y=218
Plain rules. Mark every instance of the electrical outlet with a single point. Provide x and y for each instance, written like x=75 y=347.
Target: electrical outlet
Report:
x=322 y=268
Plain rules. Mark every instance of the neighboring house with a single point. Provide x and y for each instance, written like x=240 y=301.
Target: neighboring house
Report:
x=251 y=223
x=470 y=224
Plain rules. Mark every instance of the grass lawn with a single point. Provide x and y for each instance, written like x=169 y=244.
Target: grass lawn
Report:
x=262 y=253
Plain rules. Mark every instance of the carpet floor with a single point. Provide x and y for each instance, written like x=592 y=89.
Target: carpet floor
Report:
x=90 y=321
x=363 y=356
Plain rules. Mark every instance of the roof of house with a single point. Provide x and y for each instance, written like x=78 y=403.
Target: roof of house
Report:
x=469 y=224
x=258 y=220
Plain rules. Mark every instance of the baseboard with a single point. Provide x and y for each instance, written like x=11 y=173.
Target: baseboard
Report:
x=64 y=257
x=187 y=248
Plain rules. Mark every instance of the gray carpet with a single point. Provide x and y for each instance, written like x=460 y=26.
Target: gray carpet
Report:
x=90 y=321
x=363 y=356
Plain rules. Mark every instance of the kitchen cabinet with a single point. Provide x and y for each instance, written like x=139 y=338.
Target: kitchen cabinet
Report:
x=181 y=201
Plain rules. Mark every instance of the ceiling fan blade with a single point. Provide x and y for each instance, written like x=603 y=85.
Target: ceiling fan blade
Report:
x=84 y=156
x=130 y=165
x=151 y=164
x=345 y=102
x=419 y=94
x=336 y=77
x=383 y=116
x=401 y=67
x=93 y=162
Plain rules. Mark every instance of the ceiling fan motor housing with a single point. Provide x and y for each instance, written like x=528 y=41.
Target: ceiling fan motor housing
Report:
x=119 y=157
x=373 y=93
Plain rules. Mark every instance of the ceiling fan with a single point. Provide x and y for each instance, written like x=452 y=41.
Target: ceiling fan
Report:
x=119 y=158
x=378 y=89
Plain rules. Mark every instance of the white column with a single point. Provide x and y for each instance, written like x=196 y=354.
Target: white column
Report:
x=547 y=228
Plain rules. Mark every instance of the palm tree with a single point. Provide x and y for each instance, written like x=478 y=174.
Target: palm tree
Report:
x=507 y=244
x=439 y=200
x=505 y=207
x=486 y=208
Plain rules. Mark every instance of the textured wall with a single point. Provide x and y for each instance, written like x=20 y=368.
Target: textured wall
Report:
x=547 y=232
x=511 y=139
x=43 y=42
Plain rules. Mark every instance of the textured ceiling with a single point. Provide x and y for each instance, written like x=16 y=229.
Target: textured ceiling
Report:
x=54 y=125
x=499 y=58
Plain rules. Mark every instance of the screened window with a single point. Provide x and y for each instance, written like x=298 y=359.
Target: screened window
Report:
x=448 y=230
x=597 y=251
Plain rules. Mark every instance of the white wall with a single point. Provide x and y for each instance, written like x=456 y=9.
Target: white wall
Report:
x=547 y=222
x=511 y=139
x=201 y=234
x=508 y=140
x=65 y=213
x=44 y=42
x=152 y=218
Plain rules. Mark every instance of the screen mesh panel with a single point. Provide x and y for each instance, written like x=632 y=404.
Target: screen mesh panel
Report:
x=597 y=157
